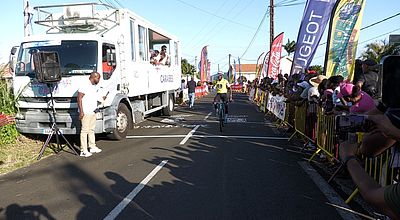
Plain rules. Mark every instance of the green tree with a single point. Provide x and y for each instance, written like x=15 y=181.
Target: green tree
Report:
x=318 y=68
x=290 y=47
x=379 y=49
x=187 y=68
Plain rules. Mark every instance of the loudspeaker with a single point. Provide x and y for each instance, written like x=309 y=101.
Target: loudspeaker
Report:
x=47 y=66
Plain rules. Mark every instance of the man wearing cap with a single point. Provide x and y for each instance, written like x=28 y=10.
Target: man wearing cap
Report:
x=368 y=80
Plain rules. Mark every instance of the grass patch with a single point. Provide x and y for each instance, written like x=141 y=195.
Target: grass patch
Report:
x=16 y=150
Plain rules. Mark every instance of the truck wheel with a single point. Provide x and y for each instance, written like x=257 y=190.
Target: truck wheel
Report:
x=124 y=122
x=170 y=108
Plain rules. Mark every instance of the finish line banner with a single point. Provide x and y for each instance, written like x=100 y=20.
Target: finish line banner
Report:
x=277 y=106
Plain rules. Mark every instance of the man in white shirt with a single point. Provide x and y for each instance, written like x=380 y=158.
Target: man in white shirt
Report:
x=87 y=104
x=164 y=57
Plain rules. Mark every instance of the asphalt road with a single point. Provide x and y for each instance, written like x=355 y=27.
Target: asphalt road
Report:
x=179 y=167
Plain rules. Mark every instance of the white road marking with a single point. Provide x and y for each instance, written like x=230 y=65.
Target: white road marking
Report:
x=189 y=135
x=120 y=207
x=156 y=136
x=167 y=120
x=209 y=114
x=168 y=126
x=349 y=210
x=181 y=116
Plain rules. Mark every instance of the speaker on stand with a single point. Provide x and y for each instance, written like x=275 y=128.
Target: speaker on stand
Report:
x=47 y=70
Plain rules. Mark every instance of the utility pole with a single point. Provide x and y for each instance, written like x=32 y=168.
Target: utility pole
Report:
x=27 y=19
x=229 y=68
x=195 y=63
x=271 y=21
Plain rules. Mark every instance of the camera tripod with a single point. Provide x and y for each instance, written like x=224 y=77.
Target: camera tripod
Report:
x=54 y=129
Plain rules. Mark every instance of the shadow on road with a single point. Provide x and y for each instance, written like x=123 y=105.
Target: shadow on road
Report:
x=29 y=212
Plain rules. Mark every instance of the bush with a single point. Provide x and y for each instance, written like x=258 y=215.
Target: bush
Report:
x=9 y=133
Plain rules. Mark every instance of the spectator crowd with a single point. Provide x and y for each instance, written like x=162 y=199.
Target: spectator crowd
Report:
x=337 y=96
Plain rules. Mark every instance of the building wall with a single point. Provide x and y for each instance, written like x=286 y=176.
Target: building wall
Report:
x=286 y=64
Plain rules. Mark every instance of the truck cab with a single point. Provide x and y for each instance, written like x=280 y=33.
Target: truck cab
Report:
x=113 y=42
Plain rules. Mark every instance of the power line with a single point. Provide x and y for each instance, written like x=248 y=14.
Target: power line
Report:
x=229 y=20
x=205 y=39
x=237 y=14
x=385 y=19
x=287 y=5
x=257 y=31
x=371 y=25
x=119 y=3
x=370 y=39
x=379 y=36
x=285 y=2
x=206 y=24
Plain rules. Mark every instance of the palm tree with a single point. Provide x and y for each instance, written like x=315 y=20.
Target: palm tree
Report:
x=187 y=68
x=379 y=49
x=290 y=47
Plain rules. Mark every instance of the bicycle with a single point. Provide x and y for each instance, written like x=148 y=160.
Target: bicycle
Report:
x=221 y=114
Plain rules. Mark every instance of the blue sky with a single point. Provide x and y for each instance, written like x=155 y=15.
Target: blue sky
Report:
x=227 y=26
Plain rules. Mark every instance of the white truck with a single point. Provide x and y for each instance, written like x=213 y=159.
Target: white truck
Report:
x=92 y=37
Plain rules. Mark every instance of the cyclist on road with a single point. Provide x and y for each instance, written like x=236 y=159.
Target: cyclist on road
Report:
x=222 y=87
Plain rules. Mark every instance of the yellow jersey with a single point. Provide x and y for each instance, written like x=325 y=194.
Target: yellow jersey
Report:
x=222 y=86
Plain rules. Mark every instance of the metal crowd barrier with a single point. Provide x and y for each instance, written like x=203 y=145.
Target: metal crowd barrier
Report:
x=326 y=135
x=380 y=168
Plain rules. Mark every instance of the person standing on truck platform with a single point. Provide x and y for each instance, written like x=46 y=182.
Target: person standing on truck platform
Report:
x=191 y=85
x=87 y=105
x=164 y=57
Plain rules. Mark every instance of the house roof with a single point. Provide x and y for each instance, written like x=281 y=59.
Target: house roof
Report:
x=246 y=68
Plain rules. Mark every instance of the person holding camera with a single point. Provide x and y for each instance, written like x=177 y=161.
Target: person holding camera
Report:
x=369 y=79
x=385 y=133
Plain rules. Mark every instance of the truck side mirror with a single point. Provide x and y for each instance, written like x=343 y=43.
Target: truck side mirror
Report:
x=14 y=50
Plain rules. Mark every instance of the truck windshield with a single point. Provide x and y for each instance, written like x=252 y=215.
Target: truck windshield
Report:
x=76 y=57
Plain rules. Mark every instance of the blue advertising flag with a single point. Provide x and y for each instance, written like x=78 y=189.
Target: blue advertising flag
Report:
x=315 y=18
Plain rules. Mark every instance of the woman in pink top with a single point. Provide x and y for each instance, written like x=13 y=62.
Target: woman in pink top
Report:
x=356 y=100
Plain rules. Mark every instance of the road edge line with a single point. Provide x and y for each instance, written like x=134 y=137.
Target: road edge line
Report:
x=327 y=190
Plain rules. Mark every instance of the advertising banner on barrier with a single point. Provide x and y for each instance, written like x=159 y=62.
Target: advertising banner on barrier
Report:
x=277 y=106
x=237 y=88
x=315 y=18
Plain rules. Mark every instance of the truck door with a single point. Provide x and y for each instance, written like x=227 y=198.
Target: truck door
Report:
x=109 y=66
